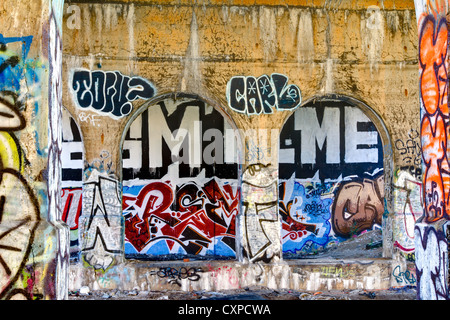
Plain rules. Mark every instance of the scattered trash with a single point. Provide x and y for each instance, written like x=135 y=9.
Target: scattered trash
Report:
x=375 y=244
x=305 y=296
x=163 y=298
x=371 y=295
x=84 y=291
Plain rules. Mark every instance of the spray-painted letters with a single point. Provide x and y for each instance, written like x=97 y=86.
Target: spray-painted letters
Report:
x=109 y=93
x=254 y=96
x=180 y=194
x=188 y=219
x=331 y=176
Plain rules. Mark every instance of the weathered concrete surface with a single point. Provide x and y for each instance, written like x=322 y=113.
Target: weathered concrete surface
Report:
x=307 y=275
x=325 y=271
x=34 y=248
x=190 y=48
x=248 y=293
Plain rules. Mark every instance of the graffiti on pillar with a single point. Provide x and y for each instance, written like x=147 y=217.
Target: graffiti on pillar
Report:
x=331 y=176
x=433 y=63
x=410 y=153
x=253 y=96
x=108 y=92
x=431 y=262
x=180 y=193
x=437 y=7
x=54 y=146
x=19 y=206
x=261 y=223
x=102 y=232
x=71 y=178
x=407 y=208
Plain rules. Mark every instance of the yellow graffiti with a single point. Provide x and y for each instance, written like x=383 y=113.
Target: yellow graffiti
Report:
x=10 y=155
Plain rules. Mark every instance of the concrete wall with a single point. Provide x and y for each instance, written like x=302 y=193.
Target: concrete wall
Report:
x=312 y=115
x=33 y=252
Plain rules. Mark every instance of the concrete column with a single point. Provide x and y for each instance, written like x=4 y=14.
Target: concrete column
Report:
x=260 y=106
x=431 y=242
x=101 y=222
x=432 y=260
x=33 y=241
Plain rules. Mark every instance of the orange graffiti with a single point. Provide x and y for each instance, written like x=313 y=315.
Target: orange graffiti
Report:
x=435 y=119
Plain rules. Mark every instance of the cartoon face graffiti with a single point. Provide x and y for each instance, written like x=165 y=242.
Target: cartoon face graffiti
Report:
x=358 y=206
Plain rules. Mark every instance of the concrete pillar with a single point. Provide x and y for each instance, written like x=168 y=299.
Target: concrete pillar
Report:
x=432 y=260
x=431 y=242
x=101 y=222
x=260 y=117
x=33 y=241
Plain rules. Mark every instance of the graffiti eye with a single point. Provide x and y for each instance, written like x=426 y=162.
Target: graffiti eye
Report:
x=347 y=215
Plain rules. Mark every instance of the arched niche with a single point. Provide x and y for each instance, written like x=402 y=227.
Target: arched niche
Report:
x=180 y=180
x=335 y=156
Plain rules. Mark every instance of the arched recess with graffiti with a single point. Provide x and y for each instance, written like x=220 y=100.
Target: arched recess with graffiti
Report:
x=72 y=159
x=180 y=174
x=332 y=167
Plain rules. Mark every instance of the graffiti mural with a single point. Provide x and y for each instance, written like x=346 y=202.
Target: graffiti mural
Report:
x=180 y=193
x=186 y=136
x=431 y=235
x=71 y=178
x=186 y=219
x=358 y=206
x=331 y=176
x=431 y=262
x=109 y=93
x=17 y=227
x=433 y=63
x=253 y=96
x=32 y=262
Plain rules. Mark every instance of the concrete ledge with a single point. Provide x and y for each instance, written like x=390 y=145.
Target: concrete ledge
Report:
x=304 y=274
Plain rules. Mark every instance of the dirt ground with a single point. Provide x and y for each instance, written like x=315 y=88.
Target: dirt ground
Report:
x=367 y=245
x=404 y=293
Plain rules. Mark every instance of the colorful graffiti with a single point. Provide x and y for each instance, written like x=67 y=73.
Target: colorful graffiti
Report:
x=188 y=219
x=331 y=176
x=109 y=93
x=71 y=178
x=187 y=134
x=22 y=274
x=253 y=96
x=358 y=206
x=433 y=39
x=180 y=194
x=431 y=250
x=18 y=227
